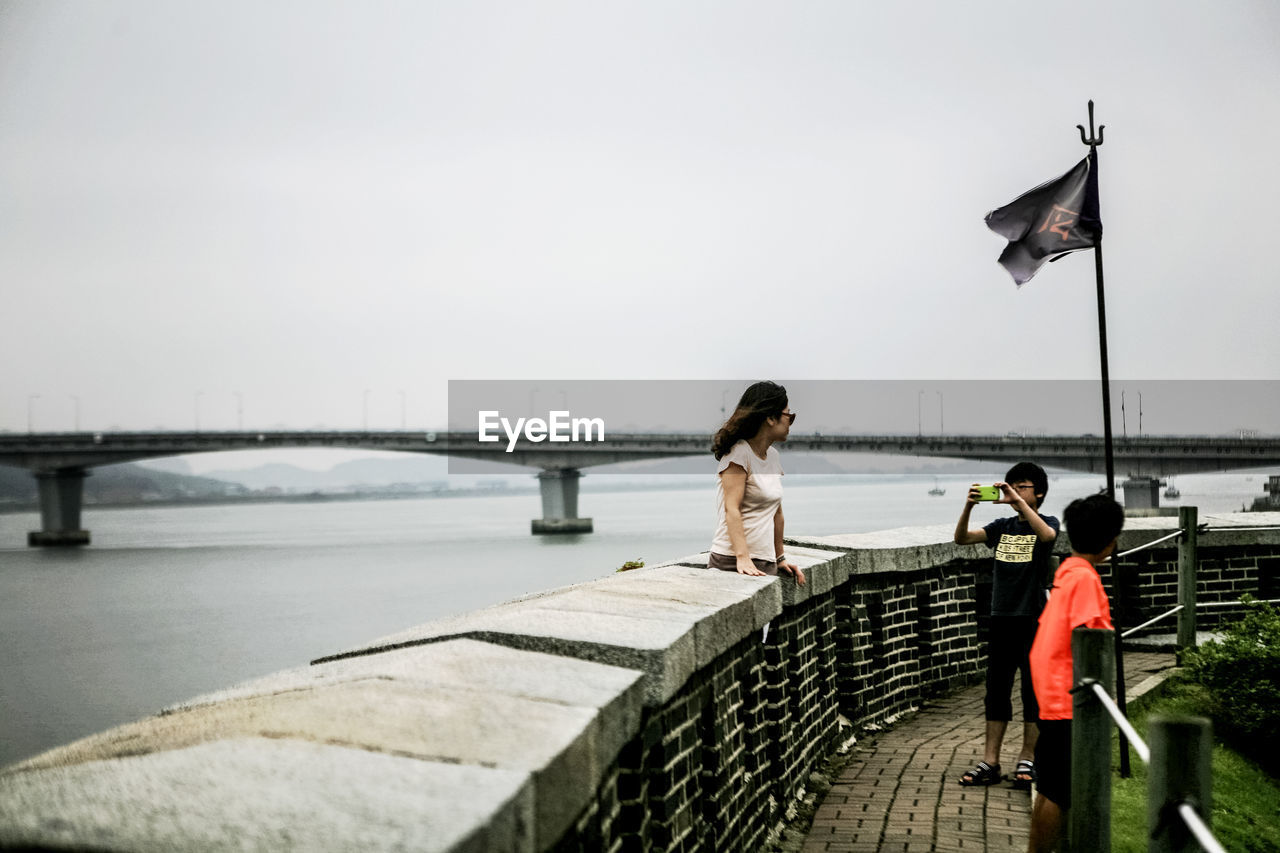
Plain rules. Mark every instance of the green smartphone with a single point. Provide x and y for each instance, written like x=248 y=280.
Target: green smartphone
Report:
x=989 y=493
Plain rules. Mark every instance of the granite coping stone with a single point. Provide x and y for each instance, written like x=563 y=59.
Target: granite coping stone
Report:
x=640 y=582
x=765 y=594
x=459 y=663
x=665 y=621
x=824 y=570
x=1219 y=534
x=1143 y=529
x=908 y=549
x=698 y=560
x=560 y=724
x=269 y=795
x=769 y=603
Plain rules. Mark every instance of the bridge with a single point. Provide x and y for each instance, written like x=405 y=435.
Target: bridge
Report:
x=61 y=461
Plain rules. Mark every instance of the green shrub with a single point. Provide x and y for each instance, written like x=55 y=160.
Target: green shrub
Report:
x=1242 y=674
x=1246 y=801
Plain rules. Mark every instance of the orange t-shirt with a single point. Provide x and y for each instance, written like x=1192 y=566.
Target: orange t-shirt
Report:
x=1077 y=599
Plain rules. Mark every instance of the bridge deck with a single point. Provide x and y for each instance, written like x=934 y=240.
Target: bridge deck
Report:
x=1148 y=454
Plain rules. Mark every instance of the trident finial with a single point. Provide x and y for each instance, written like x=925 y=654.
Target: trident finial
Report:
x=1092 y=141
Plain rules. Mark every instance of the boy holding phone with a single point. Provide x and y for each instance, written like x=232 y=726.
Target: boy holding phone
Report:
x=1023 y=544
x=1076 y=600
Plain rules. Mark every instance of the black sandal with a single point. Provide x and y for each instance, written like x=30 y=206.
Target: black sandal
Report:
x=1025 y=768
x=982 y=774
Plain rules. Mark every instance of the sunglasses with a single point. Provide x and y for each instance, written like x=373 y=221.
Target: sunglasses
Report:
x=790 y=416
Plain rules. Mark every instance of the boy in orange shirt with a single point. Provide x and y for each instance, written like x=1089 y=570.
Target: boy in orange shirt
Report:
x=1076 y=600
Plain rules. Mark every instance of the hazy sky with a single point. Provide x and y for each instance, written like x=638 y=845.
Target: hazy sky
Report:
x=310 y=214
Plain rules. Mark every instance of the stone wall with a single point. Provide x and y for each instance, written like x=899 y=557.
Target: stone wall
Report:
x=648 y=710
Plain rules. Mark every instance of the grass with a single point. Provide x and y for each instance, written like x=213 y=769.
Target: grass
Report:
x=1246 y=801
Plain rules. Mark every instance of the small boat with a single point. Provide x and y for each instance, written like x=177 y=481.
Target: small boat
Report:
x=937 y=490
x=1171 y=491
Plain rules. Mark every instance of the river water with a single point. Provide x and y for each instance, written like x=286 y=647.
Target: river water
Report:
x=171 y=602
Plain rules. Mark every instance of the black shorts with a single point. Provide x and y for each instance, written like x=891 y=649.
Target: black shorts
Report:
x=1008 y=651
x=1053 y=761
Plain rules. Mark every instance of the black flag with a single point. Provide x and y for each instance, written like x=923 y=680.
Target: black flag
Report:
x=1053 y=219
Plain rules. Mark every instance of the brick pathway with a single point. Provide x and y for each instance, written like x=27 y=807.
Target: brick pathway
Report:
x=900 y=792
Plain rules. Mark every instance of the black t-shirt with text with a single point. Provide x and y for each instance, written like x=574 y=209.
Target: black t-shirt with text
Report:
x=1021 y=567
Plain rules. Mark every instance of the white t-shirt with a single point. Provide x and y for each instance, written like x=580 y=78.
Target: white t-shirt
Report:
x=760 y=502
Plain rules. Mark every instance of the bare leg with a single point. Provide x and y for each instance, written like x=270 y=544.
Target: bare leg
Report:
x=1046 y=826
x=995 y=739
x=1030 y=734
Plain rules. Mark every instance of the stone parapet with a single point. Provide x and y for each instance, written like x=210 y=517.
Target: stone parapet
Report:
x=672 y=707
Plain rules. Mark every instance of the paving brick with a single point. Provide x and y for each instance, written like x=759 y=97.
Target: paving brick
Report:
x=901 y=792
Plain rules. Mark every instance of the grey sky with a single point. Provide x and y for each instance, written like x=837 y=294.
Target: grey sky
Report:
x=288 y=205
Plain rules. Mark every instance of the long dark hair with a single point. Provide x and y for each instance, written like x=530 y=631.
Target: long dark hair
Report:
x=760 y=401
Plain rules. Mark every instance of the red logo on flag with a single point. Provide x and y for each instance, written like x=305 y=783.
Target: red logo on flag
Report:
x=1060 y=221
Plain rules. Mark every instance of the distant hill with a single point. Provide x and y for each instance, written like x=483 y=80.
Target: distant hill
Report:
x=357 y=472
x=128 y=483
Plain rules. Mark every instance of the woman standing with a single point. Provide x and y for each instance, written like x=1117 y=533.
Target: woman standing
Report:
x=749 y=497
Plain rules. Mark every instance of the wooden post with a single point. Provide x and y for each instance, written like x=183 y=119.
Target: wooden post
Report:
x=1181 y=759
x=1187 y=565
x=1089 y=820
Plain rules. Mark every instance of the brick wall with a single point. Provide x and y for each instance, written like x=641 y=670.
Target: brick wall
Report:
x=715 y=767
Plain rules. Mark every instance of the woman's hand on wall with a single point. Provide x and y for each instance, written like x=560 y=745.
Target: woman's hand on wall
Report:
x=793 y=570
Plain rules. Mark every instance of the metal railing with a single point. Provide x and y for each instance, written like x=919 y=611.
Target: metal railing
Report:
x=1145 y=545
x=1136 y=628
x=1203 y=604
x=1188 y=536
x=1179 y=760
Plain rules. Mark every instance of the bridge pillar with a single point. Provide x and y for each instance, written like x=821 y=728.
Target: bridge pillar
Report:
x=560 y=503
x=1141 y=492
x=61 y=495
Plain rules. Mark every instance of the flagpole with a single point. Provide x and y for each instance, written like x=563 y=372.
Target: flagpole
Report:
x=1093 y=141
x=1106 y=376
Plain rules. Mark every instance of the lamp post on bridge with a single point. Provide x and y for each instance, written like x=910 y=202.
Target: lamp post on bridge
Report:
x=31 y=399
x=366 y=410
x=76 y=403
x=239 y=410
x=199 y=394
x=403 y=420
